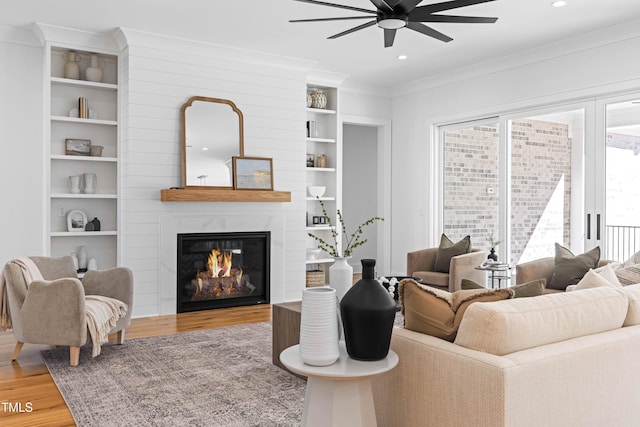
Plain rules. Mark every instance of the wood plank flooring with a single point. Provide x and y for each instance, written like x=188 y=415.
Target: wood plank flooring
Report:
x=27 y=381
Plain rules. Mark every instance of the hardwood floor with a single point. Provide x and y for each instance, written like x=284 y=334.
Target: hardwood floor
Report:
x=27 y=381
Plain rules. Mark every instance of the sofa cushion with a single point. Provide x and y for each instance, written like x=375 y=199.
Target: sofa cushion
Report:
x=437 y=312
x=447 y=250
x=628 y=275
x=633 y=313
x=505 y=327
x=570 y=268
x=529 y=289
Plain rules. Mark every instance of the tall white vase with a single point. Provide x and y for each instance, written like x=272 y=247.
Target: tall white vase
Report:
x=341 y=276
x=319 y=326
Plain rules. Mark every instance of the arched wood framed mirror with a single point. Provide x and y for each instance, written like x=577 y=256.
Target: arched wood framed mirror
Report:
x=212 y=133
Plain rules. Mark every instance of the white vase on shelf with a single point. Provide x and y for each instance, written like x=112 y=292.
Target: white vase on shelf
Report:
x=71 y=67
x=341 y=276
x=93 y=73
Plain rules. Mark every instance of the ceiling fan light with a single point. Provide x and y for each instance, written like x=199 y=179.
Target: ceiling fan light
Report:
x=392 y=23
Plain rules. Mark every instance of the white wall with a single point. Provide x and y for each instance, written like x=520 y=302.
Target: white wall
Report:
x=561 y=74
x=21 y=158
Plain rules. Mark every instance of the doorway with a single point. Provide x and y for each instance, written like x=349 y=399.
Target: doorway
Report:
x=366 y=163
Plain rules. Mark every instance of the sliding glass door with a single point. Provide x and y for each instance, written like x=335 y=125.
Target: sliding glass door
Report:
x=616 y=210
x=546 y=181
x=567 y=175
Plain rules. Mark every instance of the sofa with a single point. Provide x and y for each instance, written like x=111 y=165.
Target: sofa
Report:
x=562 y=359
x=541 y=269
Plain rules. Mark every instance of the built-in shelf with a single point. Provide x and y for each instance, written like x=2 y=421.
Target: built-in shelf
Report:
x=83 y=233
x=83 y=83
x=315 y=169
x=328 y=140
x=321 y=198
x=83 y=158
x=222 y=195
x=320 y=111
x=319 y=228
x=84 y=121
x=83 y=196
x=320 y=261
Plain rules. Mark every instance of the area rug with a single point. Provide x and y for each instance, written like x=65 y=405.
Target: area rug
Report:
x=214 y=377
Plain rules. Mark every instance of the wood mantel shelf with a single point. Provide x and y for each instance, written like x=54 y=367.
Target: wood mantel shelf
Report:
x=222 y=195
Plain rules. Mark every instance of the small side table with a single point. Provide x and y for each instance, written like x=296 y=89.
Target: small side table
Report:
x=497 y=272
x=338 y=394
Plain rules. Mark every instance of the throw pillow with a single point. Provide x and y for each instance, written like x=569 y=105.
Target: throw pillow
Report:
x=594 y=280
x=629 y=275
x=523 y=290
x=448 y=250
x=569 y=268
x=633 y=259
x=438 y=313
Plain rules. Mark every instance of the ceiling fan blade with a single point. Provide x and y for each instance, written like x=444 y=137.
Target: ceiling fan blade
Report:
x=389 y=36
x=382 y=5
x=428 y=31
x=457 y=19
x=359 y=27
x=330 y=19
x=342 y=6
x=446 y=5
x=405 y=6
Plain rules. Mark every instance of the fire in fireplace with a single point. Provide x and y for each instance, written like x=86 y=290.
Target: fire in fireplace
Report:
x=222 y=270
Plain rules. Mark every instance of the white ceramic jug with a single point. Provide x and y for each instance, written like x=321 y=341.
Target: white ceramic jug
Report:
x=73 y=183
x=89 y=182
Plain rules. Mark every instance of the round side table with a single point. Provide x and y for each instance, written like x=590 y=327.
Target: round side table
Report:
x=338 y=394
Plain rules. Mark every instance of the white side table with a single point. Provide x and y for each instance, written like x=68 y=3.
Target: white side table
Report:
x=339 y=394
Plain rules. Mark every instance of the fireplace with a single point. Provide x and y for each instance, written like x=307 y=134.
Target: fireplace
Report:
x=222 y=270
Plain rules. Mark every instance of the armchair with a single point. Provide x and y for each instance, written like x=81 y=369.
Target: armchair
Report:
x=421 y=264
x=52 y=311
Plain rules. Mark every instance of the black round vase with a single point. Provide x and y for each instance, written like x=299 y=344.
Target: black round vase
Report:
x=492 y=255
x=368 y=313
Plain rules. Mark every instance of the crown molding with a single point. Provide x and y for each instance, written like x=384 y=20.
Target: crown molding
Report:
x=584 y=42
x=126 y=37
x=77 y=39
x=18 y=36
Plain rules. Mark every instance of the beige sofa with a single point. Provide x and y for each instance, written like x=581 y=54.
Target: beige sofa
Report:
x=541 y=269
x=564 y=359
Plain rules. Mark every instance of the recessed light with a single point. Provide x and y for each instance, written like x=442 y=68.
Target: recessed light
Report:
x=205 y=148
x=559 y=3
x=402 y=57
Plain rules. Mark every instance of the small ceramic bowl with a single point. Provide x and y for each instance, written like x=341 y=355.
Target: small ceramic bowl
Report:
x=316 y=190
x=312 y=253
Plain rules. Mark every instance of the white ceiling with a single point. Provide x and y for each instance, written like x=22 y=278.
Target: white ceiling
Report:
x=262 y=25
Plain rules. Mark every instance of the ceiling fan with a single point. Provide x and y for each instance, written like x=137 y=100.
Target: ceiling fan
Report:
x=392 y=15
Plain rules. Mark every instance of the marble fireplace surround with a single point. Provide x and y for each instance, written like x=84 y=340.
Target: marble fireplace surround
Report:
x=174 y=224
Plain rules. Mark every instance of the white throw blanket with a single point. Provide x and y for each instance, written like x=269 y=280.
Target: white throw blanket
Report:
x=30 y=272
x=102 y=315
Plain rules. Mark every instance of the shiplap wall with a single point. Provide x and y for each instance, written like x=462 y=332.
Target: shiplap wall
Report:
x=157 y=76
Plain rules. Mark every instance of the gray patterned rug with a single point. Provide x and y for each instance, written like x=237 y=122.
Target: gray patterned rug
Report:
x=215 y=377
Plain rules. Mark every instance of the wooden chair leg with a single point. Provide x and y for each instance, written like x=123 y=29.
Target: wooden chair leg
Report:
x=74 y=355
x=120 y=337
x=16 y=351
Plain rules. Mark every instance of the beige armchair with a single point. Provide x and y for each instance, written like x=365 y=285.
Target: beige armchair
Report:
x=421 y=264
x=52 y=311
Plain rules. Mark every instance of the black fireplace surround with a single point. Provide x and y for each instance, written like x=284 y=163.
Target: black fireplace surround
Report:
x=218 y=270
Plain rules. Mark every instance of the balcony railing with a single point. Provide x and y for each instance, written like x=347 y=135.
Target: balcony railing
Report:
x=622 y=242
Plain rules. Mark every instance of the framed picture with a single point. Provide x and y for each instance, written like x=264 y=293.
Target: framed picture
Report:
x=77 y=147
x=252 y=173
x=76 y=220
